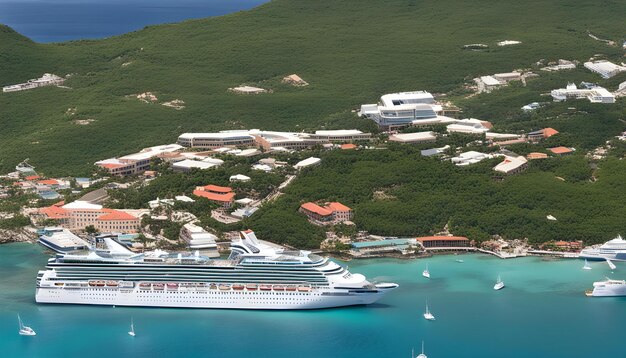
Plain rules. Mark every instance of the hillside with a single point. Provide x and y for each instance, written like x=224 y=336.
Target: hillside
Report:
x=350 y=51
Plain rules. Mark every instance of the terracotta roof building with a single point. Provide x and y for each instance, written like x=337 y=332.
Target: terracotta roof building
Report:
x=561 y=150
x=536 y=155
x=542 y=134
x=331 y=213
x=80 y=214
x=219 y=194
x=443 y=241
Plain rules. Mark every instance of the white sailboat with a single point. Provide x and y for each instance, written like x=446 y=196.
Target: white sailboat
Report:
x=422 y=355
x=587 y=266
x=428 y=315
x=132 y=328
x=25 y=330
x=426 y=273
x=499 y=284
x=611 y=264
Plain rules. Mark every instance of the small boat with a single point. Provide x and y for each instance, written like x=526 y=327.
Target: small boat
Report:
x=278 y=287
x=304 y=289
x=132 y=328
x=145 y=286
x=112 y=283
x=25 y=330
x=611 y=264
x=252 y=287
x=265 y=287
x=224 y=287
x=421 y=355
x=426 y=273
x=290 y=288
x=587 y=266
x=172 y=286
x=238 y=287
x=158 y=286
x=428 y=315
x=459 y=261
x=499 y=284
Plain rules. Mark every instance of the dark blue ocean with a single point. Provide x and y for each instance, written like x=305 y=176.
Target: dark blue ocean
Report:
x=542 y=313
x=64 y=20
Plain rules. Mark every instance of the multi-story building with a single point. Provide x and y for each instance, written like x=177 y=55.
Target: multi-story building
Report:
x=47 y=79
x=595 y=94
x=331 y=213
x=443 y=241
x=136 y=163
x=219 y=194
x=402 y=109
x=80 y=214
x=199 y=239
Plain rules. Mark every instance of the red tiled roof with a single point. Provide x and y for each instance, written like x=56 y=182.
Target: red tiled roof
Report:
x=116 y=215
x=60 y=203
x=32 y=177
x=536 y=155
x=487 y=124
x=112 y=165
x=20 y=183
x=217 y=189
x=54 y=212
x=335 y=206
x=348 y=146
x=48 y=182
x=228 y=197
x=549 y=132
x=441 y=238
x=560 y=150
x=314 y=208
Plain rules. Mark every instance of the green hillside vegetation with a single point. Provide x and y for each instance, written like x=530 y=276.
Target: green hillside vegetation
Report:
x=349 y=51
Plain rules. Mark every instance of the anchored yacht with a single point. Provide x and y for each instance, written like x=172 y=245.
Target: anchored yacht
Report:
x=255 y=276
x=608 y=288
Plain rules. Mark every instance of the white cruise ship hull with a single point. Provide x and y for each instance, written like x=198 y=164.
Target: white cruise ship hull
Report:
x=609 y=290
x=209 y=298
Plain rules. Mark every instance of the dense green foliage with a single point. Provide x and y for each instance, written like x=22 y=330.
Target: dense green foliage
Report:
x=350 y=51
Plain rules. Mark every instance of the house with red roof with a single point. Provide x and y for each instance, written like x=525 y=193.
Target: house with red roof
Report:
x=80 y=214
x=542 y=134
x=561 y=151
x=331 y=213
x=220 y=194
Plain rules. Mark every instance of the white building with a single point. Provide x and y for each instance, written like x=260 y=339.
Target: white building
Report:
x=307 y=162
x=511 y=165
x=199 y=239
x=247 y=90
x=470 y=157
x=47 y=79
x=413 y=138
x=401 y=109
x=187 y=165
x=136 y=163
x=469 y=125
x=606 y=69
x=561 y=65
x=239 y=177
x=594 y=94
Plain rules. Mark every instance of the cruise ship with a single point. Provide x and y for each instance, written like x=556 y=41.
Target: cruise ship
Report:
x=255 y=276
x=608 y=288
x=612 y=250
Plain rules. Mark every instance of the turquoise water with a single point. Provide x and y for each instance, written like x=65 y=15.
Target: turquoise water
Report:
x=542 y=312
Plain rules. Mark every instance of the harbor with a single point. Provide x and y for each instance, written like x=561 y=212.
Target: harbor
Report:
x=460 y=295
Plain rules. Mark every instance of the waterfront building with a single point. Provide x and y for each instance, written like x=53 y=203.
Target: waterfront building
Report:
x=219 y=194
x=396 y=110
x=331 y=213
x=255 y=276
x=80 y=214
x=135 y=163
x=512 y=165
x=61 y=240
x=414 y=138
x=47 y=79
x=378 y=247
x=604 y=68
x=443 y=241
x=199 y=240
x=595 y=94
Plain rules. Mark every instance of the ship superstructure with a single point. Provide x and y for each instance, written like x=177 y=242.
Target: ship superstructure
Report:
x=255 y=276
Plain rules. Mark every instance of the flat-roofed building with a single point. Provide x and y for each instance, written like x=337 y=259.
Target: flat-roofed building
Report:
x=414 y=138
x=61 y=240
x=216 y=140
x=187 y=165
x=470 y=157
x=594 y=94
x=443 y=241
x=48 y=79
x=307 y=162
x=604 y=68
x=341 y=135
x=401 y=109
x=469 y=125
x=136 y=163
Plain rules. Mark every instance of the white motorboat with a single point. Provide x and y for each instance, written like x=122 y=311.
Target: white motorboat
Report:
x=611 y=264
x=499 y=284
x=587 y=266
x=608 y=288
x=25 y=330
x=421 y=355
x=426 y=273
